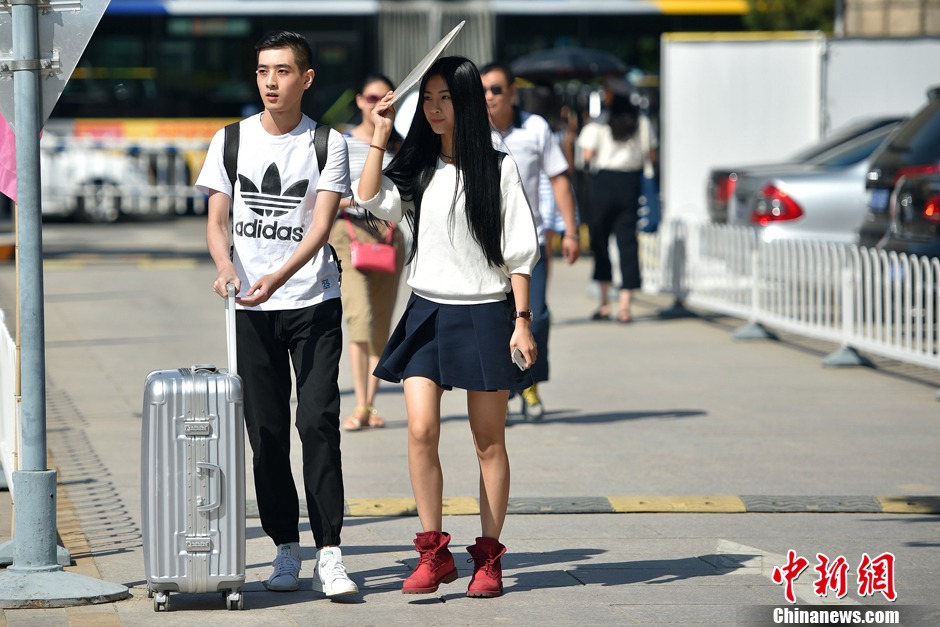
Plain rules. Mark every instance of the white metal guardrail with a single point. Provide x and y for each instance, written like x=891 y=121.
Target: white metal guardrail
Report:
x=865 y=300
x=9 y=407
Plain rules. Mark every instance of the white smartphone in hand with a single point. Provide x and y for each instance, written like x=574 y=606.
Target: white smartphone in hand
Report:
x=519 y=359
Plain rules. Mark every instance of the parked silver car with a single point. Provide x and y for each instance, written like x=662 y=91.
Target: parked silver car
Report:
x=722 y=181
x=822 y=198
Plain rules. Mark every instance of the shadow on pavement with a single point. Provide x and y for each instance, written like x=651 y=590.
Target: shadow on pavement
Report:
x=572 y=417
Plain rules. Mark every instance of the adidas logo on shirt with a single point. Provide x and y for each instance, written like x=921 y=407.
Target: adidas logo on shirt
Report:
x=271 y=202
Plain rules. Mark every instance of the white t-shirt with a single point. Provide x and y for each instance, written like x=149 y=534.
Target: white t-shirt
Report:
x=275 y=192
x=610 y=154
x=450 y=266
x=535 y=150
x=358 y=152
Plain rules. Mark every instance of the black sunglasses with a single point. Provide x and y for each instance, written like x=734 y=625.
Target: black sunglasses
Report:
x=496 y=90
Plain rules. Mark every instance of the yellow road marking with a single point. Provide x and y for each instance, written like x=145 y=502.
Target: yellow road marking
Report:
x=909 y=504
x=382 y=507
x=697 y=504
x=461 y=506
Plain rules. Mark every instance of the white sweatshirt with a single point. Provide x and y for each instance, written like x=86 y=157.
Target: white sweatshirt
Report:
x=450 y=266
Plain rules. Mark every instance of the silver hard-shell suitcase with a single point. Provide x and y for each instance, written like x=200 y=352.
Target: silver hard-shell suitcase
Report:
x=193 y=479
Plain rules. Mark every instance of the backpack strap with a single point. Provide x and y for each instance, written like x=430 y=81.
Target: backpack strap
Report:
x=499 y=159
x=230 y=161
x=230 y=152
x=321 y=137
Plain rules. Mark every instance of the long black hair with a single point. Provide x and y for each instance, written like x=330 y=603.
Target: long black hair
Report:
x=474 y=156
x=624 y=118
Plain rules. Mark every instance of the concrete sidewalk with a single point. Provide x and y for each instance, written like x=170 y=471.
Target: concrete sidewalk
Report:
x=732 y=449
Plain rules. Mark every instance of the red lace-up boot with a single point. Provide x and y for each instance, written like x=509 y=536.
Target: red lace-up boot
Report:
x=487 y=580
x=436 y=565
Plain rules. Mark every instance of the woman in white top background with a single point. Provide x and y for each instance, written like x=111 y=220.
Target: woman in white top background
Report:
x=613 y=150
x=368 y=296
x=474 y=244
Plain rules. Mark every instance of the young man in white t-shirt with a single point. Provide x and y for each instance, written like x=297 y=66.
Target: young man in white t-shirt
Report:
x=289 y=309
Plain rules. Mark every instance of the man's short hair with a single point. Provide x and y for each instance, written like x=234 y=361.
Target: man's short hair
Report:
x=287 y=39
x=501 y=67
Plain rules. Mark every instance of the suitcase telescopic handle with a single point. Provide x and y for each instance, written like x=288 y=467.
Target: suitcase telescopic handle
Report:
x=230 y=328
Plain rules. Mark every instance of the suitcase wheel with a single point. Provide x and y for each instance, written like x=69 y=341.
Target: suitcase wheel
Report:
x=235 y=601
x=161 y=602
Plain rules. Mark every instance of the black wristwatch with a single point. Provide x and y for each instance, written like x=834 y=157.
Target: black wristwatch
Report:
x=527 y=314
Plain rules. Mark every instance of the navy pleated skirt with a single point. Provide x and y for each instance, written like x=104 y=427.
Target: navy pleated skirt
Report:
x=456 y=346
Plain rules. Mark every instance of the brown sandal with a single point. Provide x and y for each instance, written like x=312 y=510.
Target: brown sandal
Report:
x=375 y=421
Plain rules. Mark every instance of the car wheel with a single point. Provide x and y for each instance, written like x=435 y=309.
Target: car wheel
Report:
x=101 y=203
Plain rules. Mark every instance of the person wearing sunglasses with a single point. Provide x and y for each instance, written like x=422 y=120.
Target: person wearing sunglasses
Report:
x=368 y=296
x=530 y=141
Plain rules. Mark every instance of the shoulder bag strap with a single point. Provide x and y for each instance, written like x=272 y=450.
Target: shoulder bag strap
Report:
x=352 y=234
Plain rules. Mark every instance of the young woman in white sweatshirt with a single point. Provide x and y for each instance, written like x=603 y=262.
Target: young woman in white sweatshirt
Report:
x=474 y=246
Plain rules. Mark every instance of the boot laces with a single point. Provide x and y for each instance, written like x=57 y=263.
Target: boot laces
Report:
x=432 y=559
x=486 y=564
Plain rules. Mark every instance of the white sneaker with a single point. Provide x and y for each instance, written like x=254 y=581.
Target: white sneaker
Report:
x=286 y=575
x=329 y=574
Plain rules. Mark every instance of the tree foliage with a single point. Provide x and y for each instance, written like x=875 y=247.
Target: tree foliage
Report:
x=769 y=15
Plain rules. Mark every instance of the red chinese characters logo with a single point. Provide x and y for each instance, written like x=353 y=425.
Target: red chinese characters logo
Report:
x=877 y=575
x=831 y=577
x=794 y=566
x=874 y=575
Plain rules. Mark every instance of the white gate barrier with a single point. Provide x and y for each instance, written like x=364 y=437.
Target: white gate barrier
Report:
x=9 y=407
x=862 y=299
x=101 y=178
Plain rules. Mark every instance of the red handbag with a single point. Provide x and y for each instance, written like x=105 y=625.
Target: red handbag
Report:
x=371 y=256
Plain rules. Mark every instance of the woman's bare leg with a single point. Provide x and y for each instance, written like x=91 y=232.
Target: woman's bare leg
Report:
x=487 y=412
x=604 y=297
x=423 y=404
x=359 y=363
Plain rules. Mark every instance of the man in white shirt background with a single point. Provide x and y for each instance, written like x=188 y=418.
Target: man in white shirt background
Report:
x=529 y=139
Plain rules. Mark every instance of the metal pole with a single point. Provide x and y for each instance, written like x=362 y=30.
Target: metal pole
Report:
x=27 y=105
x=35 y=550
